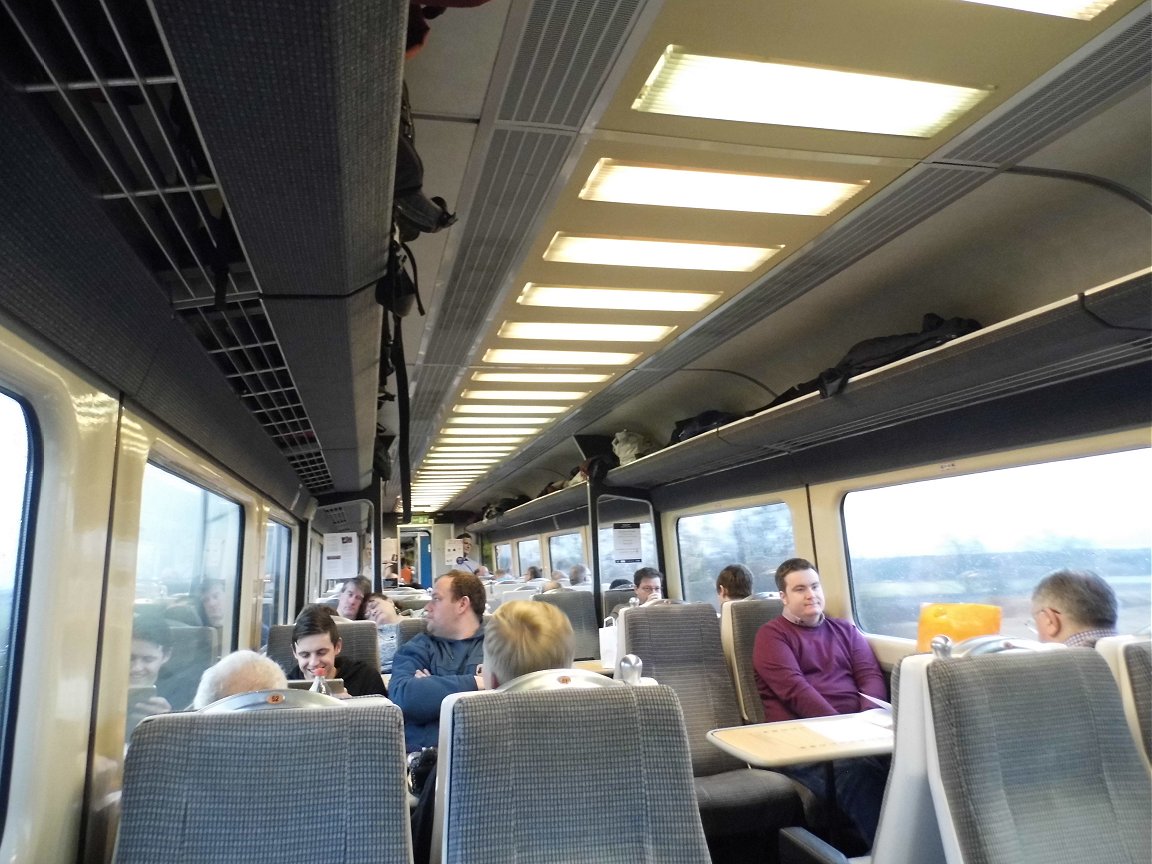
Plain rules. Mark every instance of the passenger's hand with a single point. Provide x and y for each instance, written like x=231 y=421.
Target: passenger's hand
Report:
x=153 y=705
x=422 y=673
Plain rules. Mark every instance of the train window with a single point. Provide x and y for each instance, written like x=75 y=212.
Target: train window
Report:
x=15 y=470
x=757 y=537
x=611 y=569
x=503 y=556
x=990 y=537
x=187 y=569
x=528 y=551
x=565 y=550
x=277 y=571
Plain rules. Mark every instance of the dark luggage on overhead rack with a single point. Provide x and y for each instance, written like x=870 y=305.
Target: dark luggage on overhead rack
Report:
x=705 y=421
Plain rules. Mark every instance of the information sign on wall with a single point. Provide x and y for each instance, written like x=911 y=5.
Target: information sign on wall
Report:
x=626 y=542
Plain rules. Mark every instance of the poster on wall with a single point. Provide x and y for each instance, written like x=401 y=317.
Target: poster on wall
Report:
x=626 y=542
x=341 y=556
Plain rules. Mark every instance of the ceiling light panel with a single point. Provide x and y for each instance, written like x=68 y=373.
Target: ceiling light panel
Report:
x=753 y=91
x=491 y=430
x=666 y=254
x=510 y=409
x=527 y=395
x=486 y=440
x=543 y=377
x=664 y=186
x=523 y=357
x=557 y=331
x=481 y=420
x=1062 y=8
x=573 y=297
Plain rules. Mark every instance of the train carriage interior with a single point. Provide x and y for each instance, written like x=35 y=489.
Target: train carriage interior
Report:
x=668 y=218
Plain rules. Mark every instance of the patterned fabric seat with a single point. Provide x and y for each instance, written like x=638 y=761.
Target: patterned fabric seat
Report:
x=1130 y=659
x=587 y=776
x=1030 y=761
x=680 y=647
x=580 y=608
x=267 y=787
x=739 y=622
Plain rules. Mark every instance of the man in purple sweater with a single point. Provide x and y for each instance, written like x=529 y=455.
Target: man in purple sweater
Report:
x=808 y=665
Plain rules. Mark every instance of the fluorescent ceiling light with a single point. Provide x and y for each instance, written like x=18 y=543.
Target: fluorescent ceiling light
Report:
x=1063 y=8
x=523 y=357
x=667 y=254
x=571 y=297
x=754 y=91
x=506 y=430
x=436 y=448
x=584 y=332
x=447 y=440
x=714 y=190
x=491 y=421
x=515 y=395
x=510 y=409
x=544 y=377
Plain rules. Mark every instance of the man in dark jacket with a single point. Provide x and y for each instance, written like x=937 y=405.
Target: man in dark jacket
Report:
x=316 y=645
x=444 y=660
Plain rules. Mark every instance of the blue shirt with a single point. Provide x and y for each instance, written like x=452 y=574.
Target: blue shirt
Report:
x=452 y=664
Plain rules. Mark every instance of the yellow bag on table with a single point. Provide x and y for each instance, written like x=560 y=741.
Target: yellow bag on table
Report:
x=958 y=621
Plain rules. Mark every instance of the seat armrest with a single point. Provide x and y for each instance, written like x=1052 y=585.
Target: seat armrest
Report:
x=800 y=846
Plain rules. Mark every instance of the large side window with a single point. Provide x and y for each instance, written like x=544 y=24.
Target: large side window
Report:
x=990 y=537
x=565 y=551
x=757 y=537
x=188 y=565
x=503 y=555
x=528 y=553
x=15 y=471
x=277 y=571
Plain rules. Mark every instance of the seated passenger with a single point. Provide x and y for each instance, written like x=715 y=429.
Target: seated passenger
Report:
x=578 y=578
x=648 y=582
x=238 y=672
x=808 y=665
x=734 y=583
x=151 y=650
x=350 y=600
x=520 y=637
x=1075 y=607
x=533 y=575
x=443 y=660
x=316 y=646
x=383 y=612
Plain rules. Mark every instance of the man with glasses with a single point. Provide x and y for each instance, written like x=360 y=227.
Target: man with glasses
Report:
x=1075 y=607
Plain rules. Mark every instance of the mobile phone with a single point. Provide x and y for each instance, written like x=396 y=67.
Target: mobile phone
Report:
x=140 y=693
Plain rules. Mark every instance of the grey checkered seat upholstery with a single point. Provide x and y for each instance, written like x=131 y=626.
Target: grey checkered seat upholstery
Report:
x=1030 y=761
x=358 y=638
x=408 y=629
x=613 y=597
x=583 y=776
x=680 y=647
x=739 y=622
x=1138 y=659
x=242 y=786
x=580 y=607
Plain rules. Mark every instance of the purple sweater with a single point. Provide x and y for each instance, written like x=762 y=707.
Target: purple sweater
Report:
x=814 y=671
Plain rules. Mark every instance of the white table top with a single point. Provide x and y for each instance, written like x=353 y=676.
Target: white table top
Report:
x=818 y=739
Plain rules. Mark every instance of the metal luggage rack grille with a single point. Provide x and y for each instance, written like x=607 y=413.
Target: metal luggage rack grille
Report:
x=99 y=80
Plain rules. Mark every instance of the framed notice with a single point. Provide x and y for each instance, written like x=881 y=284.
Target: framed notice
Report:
x=341 y=556
x=626 y=542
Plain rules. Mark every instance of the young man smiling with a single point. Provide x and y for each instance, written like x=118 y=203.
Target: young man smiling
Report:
x=316 y=646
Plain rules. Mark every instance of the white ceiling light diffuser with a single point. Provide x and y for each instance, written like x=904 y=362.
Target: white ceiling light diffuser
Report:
x=1062 y=8
x=583 y=332
x=572 y=297
x=666 y=254
x=543 y=377
x=664 y=186
x=481 y=420
x=447 y=439
x=510 y=409
x=527 y=395
x=493 y=430
x=756 y=91
x=522 y=357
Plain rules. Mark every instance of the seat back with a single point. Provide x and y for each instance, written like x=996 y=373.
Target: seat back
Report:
x=1130 y=659
x=408 y=629
x=581 y=612
x=241 y=786
x=740 y=620
x=358 y=638
x=1030 y=761
x=680 y=646
x=498 y=793
x=613 y=597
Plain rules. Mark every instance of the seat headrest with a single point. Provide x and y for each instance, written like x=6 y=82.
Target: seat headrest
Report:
x=270 y=700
